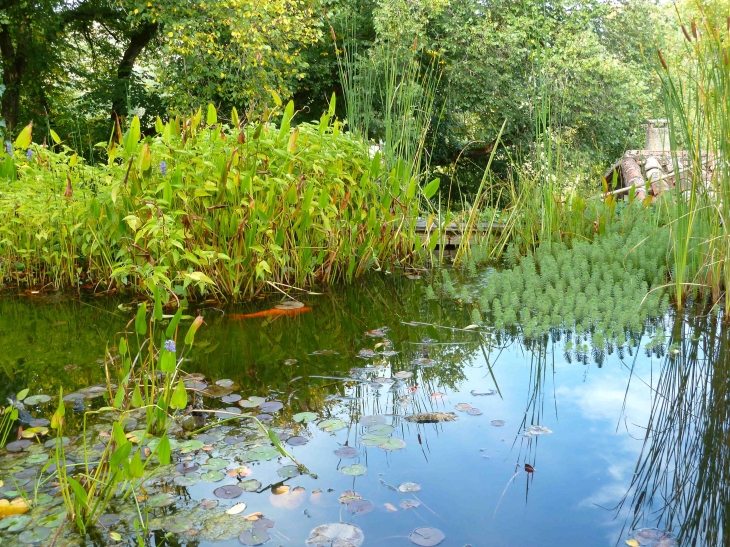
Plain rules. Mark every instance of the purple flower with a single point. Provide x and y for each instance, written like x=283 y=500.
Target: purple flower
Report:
x=163 y=168
x=9 y=147
x=29 y=154
x=170 y=346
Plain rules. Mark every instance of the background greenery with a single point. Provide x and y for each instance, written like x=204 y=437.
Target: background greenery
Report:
x=74 y=66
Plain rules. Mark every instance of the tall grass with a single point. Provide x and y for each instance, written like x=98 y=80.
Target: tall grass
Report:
x=696 y=93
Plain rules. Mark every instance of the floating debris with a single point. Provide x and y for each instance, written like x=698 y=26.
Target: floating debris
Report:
x=432 y=417
x=426 y=537
x=336 y=533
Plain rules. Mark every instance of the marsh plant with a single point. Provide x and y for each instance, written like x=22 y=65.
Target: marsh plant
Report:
x=696 y=92
x=602 y=292
x=206 y=207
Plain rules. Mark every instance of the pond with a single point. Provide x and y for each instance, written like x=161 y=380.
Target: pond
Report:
x=541 y=449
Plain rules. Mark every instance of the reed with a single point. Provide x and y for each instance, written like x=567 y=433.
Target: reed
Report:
x=696 y=94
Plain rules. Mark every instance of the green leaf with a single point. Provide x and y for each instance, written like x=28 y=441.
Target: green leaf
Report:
x=79 y=492
x=170 y=332
x=212 y=117
x=137 y=397
x=234 y=117
x=118 y=434
x=168 y=361
x=55 y=137
x=157 y=310
x=276 y=97
x=179 y=398
x=136 y=467
x=120 y=455
x=333 y=103
x=190 y=336
x=132 y=136
x=140 y=322
x=163 y=450
x=123 y=346
x=22 y=394
x=119 y=398
x=25 y=137
x=431 y=188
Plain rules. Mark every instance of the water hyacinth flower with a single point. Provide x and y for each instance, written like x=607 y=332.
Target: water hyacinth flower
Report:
x=163 y=168
x=170 y=346
x=9 y=147
x=29 y=154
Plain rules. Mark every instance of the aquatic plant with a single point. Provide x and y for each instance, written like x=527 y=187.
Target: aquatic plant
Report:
x=237 y=206
x=696 y=94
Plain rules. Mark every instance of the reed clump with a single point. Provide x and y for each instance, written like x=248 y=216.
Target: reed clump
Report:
x=205 y=207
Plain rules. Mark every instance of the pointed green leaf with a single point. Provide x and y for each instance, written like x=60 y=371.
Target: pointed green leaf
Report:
x=170 y=332
x=431 y=188
x=22 y=394
x=163 y=450
x=140 y=322
x=179 y=398
x=24 y=138
x=212 y=117
x=137 y=397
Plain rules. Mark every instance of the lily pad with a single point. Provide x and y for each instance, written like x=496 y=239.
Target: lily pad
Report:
x=347 y=452
x=36 y=399
x=371 y=439
x=254 y=537
x=262 y=453
x=232 y=398
x=297 y=441
x=54 y=520
x=191 y=446
x=373 y=420
x=462 y=407
x=215 y=464
x=271 y=406
x=423 y=362
x=288 y=471
x=426 y=537
x=353 y=470
x=15 y=523
x=331 y=425
x=337 y=533
x=393 y=444
x=213 y=476
x=186 y=467
x=304 y=417
x=251 y=402
x=161 y=500
x=349 y=495
x=265 y=418
x=216 y=391
x=409 y=504
x=250 y=485
x=474 y=412
x=17 y=446
x=498 y=423
x=197 y=385
x=360 y=507
x=228 y=492
x=381 y=429
x=403 y=375
x=188 y=479
x=40 y=422
x=409 y=487
x=178 y=525
x=35 y=534
x=225 y=382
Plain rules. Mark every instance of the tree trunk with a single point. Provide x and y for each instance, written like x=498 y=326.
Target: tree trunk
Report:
x=14 y=63
x=139 y=40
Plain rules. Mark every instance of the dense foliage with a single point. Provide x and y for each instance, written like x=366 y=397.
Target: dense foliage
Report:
x=206 y=207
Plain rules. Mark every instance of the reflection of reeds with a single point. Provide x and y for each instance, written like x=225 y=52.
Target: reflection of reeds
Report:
x=682 y=479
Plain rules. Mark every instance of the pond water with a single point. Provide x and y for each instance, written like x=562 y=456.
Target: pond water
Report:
x=545 y=450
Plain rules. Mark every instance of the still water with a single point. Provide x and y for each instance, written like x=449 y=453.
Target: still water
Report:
x=627 y=440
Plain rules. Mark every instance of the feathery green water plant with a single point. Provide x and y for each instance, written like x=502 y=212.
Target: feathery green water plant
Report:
x=206 y=207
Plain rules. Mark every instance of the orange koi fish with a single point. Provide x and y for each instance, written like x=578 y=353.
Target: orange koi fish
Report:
x=273 y=312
